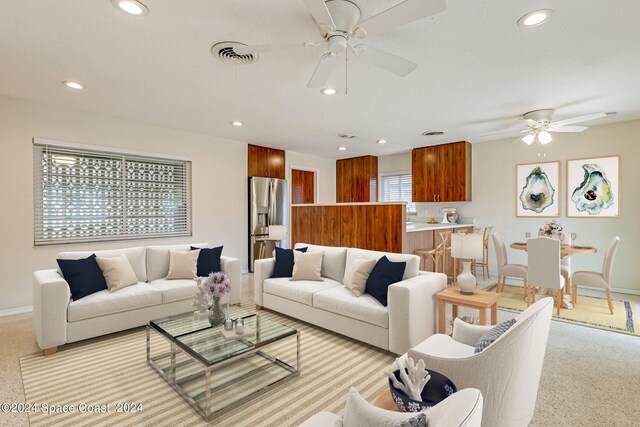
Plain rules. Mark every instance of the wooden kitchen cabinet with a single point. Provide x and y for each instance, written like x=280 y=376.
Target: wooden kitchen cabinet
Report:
x=442 y=173
x=357 y=179
x=265 y=162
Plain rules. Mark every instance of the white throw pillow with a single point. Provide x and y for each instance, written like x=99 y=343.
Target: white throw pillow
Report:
x=117 y=272
x=355 y=278
x=307 y=266
x=360 y=413
x=183 y=265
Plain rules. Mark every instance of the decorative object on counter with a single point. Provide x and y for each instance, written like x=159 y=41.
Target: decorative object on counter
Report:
x=449 y=215
x=228 y=324
x=467 y=247
x=233 y=335
x=413 y=376
x=593 y=187
x=537 y=187
x=432 y=220
x=216 y=285
x=552 y=229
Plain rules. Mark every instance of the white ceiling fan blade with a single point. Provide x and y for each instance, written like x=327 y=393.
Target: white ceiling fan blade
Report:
x=554 y=128
x=323 y=70
x=506 y=132
x=320 y=13
x=579 y=119
x=385 y=60
x=400 y=14
x=259 y=48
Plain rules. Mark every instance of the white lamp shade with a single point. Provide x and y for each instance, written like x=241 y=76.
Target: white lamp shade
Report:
x=277 y=232
x=467 y=246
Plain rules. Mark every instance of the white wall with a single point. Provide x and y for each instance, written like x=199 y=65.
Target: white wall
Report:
x=494 y=195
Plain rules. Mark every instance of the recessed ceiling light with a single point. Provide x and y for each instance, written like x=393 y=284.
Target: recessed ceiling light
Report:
x=329 y=91
x=535 y=18
x=73 y=85
x=133 y=7
x=432 y=133
x=237 y=123
x=342 y=148
x=381 y=141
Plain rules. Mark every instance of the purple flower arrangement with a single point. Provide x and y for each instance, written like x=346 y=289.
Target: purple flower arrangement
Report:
x=216 y=285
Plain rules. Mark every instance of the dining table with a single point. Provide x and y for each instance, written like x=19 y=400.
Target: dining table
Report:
x=565 y=251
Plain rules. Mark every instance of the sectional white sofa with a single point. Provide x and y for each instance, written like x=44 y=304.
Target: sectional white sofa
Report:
x=58 y=320
x=409 y=318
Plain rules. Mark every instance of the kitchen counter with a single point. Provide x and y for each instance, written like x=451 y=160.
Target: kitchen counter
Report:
x=423 y=226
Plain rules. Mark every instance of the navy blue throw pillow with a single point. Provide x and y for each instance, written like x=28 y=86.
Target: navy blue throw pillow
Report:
x=284 y=262
x=83 y=276
x=384 y=274
x=208 y=260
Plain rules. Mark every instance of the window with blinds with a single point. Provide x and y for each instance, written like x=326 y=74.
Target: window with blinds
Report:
x=85 y=196
x=397 y=188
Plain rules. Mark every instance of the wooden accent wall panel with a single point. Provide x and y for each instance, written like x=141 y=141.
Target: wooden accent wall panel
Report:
x=375 y=227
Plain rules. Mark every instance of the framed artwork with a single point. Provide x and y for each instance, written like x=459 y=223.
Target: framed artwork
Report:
x=593 y=187
x=537 y=192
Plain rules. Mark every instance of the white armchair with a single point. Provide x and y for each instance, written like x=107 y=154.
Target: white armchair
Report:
x=507 y=372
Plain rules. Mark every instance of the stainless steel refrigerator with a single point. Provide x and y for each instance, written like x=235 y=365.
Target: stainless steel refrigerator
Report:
x=267 y=206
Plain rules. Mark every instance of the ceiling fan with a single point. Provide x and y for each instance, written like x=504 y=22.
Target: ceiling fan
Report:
x=339 y=24
x=540 y=125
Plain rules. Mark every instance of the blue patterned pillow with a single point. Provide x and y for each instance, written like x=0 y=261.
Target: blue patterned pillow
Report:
x=493 y=334
x=419 y=420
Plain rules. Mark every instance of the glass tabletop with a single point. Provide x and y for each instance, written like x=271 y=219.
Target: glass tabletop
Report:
x=207 y=344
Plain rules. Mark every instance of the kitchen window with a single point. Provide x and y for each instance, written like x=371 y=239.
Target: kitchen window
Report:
x=87 y=194
x=397 y=188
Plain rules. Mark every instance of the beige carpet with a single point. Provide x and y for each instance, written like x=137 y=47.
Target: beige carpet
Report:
x=589 y=311
x=114 y=369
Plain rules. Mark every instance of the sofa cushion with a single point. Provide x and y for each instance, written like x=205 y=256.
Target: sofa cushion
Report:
x=342 y=301
x=384 y=274
x=183 y=265
x=208 y=260
x=83 y=276
x=333 y=262
x=158 y=259
x=284 y=262
x=300 y=291
x=413 y=261
x=307 y=266
x=136 y=257
x=103 y=303
x=175 y=290
x=493 y=334
x=117 y=272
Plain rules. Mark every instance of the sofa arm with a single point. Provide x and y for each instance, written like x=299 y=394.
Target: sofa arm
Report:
x=413 y=310
x=51 y=296
x=232 y=269
x=262 y=270
x=466 y=333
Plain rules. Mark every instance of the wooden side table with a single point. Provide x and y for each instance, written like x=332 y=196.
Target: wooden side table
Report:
x=385 y=401
x=480 y=300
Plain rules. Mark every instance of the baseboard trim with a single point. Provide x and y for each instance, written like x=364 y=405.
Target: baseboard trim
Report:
x=17 y=310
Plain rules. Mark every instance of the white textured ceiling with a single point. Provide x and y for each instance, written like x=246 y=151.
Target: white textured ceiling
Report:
x=478 y=71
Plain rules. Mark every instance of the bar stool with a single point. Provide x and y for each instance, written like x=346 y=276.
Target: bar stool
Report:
x=436 y=254
x=484 y=264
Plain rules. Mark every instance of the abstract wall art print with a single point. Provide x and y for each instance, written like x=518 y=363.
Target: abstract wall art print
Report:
x=593 y=187
x=537 y=192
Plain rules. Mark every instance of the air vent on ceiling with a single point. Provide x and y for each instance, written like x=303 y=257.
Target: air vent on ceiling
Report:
x=225 y=52
x=347 y=135
x=432 y=133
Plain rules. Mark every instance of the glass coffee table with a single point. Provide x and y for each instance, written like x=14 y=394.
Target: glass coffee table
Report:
x=214 y=374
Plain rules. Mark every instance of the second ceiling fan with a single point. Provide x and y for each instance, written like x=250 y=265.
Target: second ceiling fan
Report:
x=340 y=26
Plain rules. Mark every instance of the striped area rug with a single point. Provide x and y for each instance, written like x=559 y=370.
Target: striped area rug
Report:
x=113 y=369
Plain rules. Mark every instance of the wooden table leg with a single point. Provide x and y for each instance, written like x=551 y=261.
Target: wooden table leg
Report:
x=574 y=294
x=494 y=314
x=441 y=317
x=454 y=310
x=483 y=316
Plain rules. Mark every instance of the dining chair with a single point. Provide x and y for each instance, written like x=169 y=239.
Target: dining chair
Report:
x=565 y=265
x=484 y=264
x=504 y=268
x=543 y=255
x=595 y=279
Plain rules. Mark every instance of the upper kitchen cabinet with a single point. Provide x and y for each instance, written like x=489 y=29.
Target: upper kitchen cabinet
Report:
x=357 y=179
x=442 y=173
x=265 y=162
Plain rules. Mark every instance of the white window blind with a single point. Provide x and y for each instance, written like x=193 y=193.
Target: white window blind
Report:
x=397 y=188
x=85 y=195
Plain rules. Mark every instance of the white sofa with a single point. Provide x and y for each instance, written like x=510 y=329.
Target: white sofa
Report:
x=58 y=320
x=409 y=318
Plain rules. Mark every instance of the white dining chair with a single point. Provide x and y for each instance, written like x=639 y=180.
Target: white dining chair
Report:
x=565 y=265
x=543 y=255
x=595 y=279
x=504 y=268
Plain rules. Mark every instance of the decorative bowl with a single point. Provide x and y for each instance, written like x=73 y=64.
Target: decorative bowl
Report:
x=437 y=389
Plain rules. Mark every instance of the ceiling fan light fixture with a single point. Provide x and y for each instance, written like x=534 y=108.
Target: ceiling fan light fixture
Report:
x=544 y=137
x=329 y=91
x=535 y=18
x=528 y=138
x=132 y=7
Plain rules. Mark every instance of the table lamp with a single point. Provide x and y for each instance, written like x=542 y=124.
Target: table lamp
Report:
x=467 y=247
